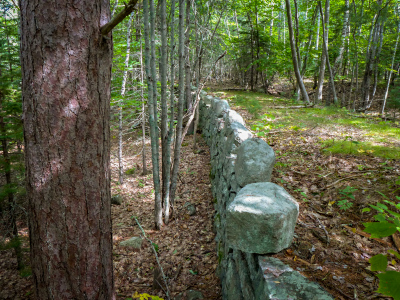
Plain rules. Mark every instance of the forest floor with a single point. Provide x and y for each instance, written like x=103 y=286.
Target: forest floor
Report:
x=335 y=164
x=185 y=248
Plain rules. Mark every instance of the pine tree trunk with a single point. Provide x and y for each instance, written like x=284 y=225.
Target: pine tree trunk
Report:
x=66 y=75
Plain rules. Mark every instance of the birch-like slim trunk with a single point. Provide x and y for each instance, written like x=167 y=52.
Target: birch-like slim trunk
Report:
x=167 y=178
x=369 y=62
x=325 y=48
x=165 y=147
x=294 y=55
x=152 y=104
x=143 y=104
x=325 y=33
x=391 y=71
x=189 y=100
x=121 y=101
x=339 y=59
x=178 y=135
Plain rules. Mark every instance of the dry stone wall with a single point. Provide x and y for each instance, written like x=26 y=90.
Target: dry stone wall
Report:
x=254 y=217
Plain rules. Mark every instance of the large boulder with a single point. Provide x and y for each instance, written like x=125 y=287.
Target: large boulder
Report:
x=220 y=108
x=134 y=242
x=255 y=161
x=261 y=219
x=233 y=116
x=236 y=134
x=281 y=282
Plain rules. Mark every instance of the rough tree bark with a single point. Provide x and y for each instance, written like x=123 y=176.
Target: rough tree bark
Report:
x=66 y=73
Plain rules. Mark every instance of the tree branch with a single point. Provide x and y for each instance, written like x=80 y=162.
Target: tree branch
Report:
x=105 y=29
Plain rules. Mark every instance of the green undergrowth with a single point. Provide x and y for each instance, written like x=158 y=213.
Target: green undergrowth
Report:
x=360 y=148
x=354 y=134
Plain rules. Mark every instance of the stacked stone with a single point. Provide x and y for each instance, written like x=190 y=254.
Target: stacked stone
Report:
x=254 y=217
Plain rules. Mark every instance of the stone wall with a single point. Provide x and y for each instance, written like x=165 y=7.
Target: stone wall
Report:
x=254 y=217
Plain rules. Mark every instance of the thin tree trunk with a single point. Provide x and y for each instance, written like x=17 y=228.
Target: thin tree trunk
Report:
x=178 y=136
x=294 y=55
x=152 y=103
x=189 y=100
x=143 y=112
x=351 y=86
x=10 y=194
x=376 y=70
x=391 y=71
x=325 y=33
x=166 y=155
x=325 y=47
x=339 y=59
x=237 y=24
x=114 y=8
x=167 y=177
x=121 y=101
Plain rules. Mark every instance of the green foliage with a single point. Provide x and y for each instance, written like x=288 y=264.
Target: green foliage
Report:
x=378 y=262
x=389 y=284
x=155 y=246
x=394 y=99
x=345 y=194
x=25 y=272
x=145 y=296
x=388 y=223
x=380 y=229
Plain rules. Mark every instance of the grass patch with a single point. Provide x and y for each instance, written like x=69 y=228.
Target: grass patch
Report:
x=360 y=148
x=339 y=122
x=130 y=171
x=252 y=105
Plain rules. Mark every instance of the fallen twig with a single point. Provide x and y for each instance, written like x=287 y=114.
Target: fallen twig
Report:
x=337 y=181
x=158 y=261
x=323 y=228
